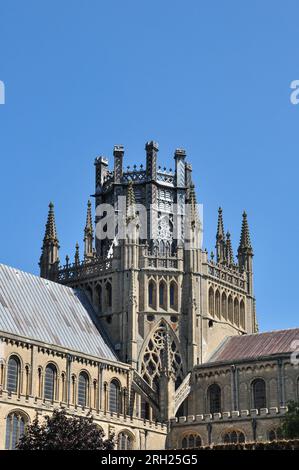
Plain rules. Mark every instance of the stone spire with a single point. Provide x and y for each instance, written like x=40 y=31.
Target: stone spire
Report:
x=245 y=243
x=245 y=254
x=49 y=259
x=220 y=239
x=229 y=250
x=88 y=234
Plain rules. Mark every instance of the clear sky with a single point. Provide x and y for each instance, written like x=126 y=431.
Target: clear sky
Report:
x=210 y=76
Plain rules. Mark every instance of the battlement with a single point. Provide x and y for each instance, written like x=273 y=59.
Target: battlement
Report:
x=230 y=415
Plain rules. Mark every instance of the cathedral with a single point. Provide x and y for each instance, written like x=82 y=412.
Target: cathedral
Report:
x=146 y=330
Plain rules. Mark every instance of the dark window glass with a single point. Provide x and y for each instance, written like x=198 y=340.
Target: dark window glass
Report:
x=259 y=394
x=13 y=374
x=172 y=295
x=50 y=378
x=215 y=398
x=114 y=397
x=124 y=441
x=82 y=389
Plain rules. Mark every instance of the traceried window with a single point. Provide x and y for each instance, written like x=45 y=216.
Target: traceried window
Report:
x=13 y=374
x=234 y=437
x=214 y=398
x=259 y=394
x=50 y=382
x=125 y=441
x=173 y=295
x=83 y=389
x=15 y=428
x=191 y=441
x=217 y=303
x=160 y=342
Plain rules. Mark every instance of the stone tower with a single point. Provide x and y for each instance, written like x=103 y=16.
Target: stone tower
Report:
x=163 y=302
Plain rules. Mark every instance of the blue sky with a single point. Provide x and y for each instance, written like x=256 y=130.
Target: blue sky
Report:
x=210 y=76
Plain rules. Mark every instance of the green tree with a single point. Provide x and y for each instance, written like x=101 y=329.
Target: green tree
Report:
x=290 y=423
x=62 y=432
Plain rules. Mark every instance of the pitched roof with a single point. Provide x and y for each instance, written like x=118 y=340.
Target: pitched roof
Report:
x=236 y=348
x=51 y=313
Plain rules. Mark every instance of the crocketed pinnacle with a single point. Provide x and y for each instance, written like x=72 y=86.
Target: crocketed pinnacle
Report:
x=50 y=232
x=245 y=243
x=88 y=227
x=229 y=250
x=220 y=226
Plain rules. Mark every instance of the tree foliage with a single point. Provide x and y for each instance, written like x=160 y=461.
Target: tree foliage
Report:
x=62 y=432
x=290 y=424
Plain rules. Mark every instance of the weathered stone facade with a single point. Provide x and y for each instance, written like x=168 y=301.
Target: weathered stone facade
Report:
x=167 y=306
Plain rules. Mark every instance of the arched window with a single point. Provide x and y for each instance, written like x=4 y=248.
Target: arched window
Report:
x=173 y=295
x=114 y=397
x=108 y=294
x=191 y=441
x=50 y=382
x=242 y=314
x=162 y=294
x=236 y=312
x=214 y=398
x=99 y=297
x=217 y=303
x=224 y=305
x=152 y=294
x=234 y=437
x=259 y=394
x=13 y=374
x=15 y=428
x=83 y=389
x=125 y=442
x=211 y=302
x=230 y=309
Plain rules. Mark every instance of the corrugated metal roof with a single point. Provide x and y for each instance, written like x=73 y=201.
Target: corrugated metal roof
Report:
x=237 y=348
x=45 y=311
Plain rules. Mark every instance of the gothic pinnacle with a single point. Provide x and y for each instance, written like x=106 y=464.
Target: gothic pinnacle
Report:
x=229 y=250
x=88 y=226
x=220 y=239
x=50 y=232
x=220 y=228
x=245 y=243
x=77 y=254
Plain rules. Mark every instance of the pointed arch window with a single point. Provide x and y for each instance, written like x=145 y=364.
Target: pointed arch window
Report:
x=191 y=441
x=108 y=294
x=99 y=297
x=50 y=382
x=162 y=294
x=230 y=309
x=83 y=389
x=15 y=428
x=13 y=374
x=217 y=303
x=259 y=394
x=224 y=305
x=125 y=441
x=152 y=294
x=242 y=314
x=214 y=398
x=173 y=295
x=236 y=312
x=211 y=302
